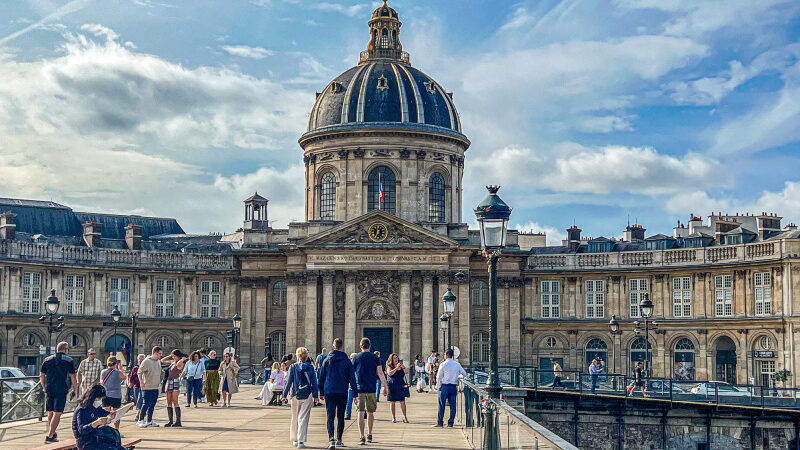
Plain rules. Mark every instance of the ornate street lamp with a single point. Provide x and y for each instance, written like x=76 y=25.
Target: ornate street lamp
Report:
x=613 y=325
x=449 y=303
x=115 y=316
x=492 y=214
x=444 y=324
x=237 y=325
x=51 y=308
x=646 y=310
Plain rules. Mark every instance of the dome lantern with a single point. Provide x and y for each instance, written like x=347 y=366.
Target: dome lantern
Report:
x=384 y=42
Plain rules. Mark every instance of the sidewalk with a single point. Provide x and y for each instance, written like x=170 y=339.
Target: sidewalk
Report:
x=248 y=425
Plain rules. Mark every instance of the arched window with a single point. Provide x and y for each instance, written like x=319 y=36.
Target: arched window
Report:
x=480 y=293
x=638 y=352
x=381 y=191
x=277 y=344
x=436 y=198
x=327 y=197
x=209 y=342
x=163 y=342
x=74 y=341
x=684 y=360
x=279 y=294
x=30 y=339
x=596 y=348
x=480 y=347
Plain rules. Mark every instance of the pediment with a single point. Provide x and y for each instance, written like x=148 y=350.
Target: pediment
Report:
x=399 y=233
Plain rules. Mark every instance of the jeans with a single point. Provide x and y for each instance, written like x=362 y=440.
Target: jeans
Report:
x=350 y=395
x=594 y=383
x=138 y=399
x=378 y=390
x=334 y=405
x=447 y=394
x=557 y=382
x=150 y=398
x=194 y=388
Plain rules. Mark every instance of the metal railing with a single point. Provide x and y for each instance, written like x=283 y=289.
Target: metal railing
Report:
x=23 y=398
x=513 y=429
x=621 y=385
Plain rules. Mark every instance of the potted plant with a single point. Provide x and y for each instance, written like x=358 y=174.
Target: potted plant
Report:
x=782 y=376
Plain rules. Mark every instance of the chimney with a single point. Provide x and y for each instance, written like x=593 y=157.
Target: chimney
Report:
x=8 y=225
x=573 y=238
x=133 y=236
x=790 y=227
x=91 y=233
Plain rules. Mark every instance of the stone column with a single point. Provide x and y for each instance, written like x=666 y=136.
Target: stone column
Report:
x=444 y=283
x=739 y=293
x=11 y=334
x=427 y=312
x=502 y=317
x=515 y=320
x=463 y=306
x=291 y=312
x=405 y=315
x=350 y=330
x=259 y=322
x=327 y=308
x=529 y=298
x=311 y=314
x=246 y=298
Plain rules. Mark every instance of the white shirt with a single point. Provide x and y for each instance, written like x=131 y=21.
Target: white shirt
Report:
x=449 y=371
x=431 y=359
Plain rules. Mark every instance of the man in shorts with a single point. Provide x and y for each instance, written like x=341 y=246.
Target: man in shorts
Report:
x=56 y=369
x=368 y=371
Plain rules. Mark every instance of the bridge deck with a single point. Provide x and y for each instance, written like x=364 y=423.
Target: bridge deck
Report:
x=250 y=425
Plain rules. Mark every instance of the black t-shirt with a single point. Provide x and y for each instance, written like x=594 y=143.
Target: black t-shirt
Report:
x=638 y=372
x=57 y=369
x=366 y=364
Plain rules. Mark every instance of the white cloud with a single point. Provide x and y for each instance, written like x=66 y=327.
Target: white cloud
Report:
x=785 y=202
x=519 y=18
x=56 y=14
x=554 y=235
x=100 y=30
x=604 y=124
x=245 y=51
x=350 y=10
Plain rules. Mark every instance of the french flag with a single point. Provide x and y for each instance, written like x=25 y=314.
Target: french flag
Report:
x=380 y=189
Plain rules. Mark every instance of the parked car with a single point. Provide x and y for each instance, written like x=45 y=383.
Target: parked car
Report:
x=724 y=389
x=660 y=387
x=17 y=385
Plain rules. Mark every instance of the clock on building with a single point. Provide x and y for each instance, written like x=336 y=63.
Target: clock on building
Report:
x=378 y=232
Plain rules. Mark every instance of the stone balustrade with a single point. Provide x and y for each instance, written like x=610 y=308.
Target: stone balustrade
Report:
x=658 y=258
x=65 y=254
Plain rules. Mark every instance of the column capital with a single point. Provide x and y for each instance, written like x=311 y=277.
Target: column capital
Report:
x=427 y=276
x=295 y=278
x=327 y=276
x=351 y=276
x=404 y=275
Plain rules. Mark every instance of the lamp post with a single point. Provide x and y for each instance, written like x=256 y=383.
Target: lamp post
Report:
x=237 y=325
x=492 y=214
x=646 y=310
x=449 y=303
x=51 y=308
x=444 y=323
x=115 y=316
x=613 y=325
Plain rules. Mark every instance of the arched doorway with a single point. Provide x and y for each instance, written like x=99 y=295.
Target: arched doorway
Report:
x=725 y=362
x=684 y=360
x=118 y=345
x=596 y=348
x=638 y=353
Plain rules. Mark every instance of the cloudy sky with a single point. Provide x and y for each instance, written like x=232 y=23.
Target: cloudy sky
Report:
x=583 y=110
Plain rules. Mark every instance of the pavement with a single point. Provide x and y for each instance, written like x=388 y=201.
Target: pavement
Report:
x=249 y=425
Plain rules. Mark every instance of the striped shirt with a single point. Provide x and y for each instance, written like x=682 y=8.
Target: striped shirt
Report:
x=89 y=372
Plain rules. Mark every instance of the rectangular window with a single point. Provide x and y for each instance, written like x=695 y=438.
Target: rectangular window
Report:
x=638 y=292
x=682 y=296
x=595 y=299
x=763 y=294
x=723 y=295
x=120 y=295
x=31 y=292
x=165 y=298
x=209 y=299
x=551 y=299
x=73 y=293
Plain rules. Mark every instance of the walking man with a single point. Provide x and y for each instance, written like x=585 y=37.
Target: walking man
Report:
x=336 y=375
x=89 y=371
x=53 y=377
x=368 y=372
x=150 y=380
x=594 y=373
x=447 y=380
x=557 y=373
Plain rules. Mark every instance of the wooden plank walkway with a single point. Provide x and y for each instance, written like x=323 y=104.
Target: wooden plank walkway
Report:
x=248 y=425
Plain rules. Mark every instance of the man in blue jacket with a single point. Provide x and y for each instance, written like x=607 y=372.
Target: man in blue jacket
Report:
x=336 y=375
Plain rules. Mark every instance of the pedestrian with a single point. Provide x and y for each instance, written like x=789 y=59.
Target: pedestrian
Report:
x=557 y=373
x=368 y=371
x=301 y=387
x=176 y=360
x=89 y=371
x=149 y=378
x=594 y=373
x=229 y=385
x=203 y=359
x=320 y=358
x=397 y=372
x=419 y=371
x=434 y=371
x=447 y=380
x=89 y=420
x=135 y=385
x=639 y=380
x=351 y=395
x=212 y=378
x=112 y=378
x=378 y=384
x=266 y=364
x=195 y=373
x=335 y=375
x=277 y=382
x=55 y=372
x=265 y=395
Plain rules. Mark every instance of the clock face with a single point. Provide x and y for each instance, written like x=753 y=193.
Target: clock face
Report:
x=378 y=232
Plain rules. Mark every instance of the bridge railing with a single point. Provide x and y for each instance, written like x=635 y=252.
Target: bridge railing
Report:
x=23 y=398
x=513 y=430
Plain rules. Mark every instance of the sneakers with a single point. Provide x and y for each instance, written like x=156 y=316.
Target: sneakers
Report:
x=294 y=443
x=152 y=424
x=141 y=423
x=301 y=445
x=369 y=438
x=363 y=440
x=50 y=440
x=339 y=444
x=331 y=445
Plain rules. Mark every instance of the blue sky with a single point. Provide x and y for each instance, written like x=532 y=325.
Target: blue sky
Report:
x=583 y=110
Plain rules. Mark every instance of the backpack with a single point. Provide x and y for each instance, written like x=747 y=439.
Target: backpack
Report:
x=304 y=386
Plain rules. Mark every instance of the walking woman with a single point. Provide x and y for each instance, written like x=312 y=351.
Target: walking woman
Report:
x=301 y=388
x=212 y=379
x=228 y=370
x=419 y=371
x=195 y=372
x=177 y=359
x=112 y=378
x=89 y=420
x=351 y=394
x=397 y=384
x=133 y=383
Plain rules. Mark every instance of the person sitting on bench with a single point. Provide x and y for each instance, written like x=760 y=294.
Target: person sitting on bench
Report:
x=89 y=422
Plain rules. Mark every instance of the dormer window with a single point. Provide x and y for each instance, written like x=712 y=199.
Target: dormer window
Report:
x=382 y=84
x=733 y=239
x=430 y=86
x=600 y=246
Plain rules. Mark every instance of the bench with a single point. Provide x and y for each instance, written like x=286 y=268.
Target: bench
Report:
x=68 y=444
